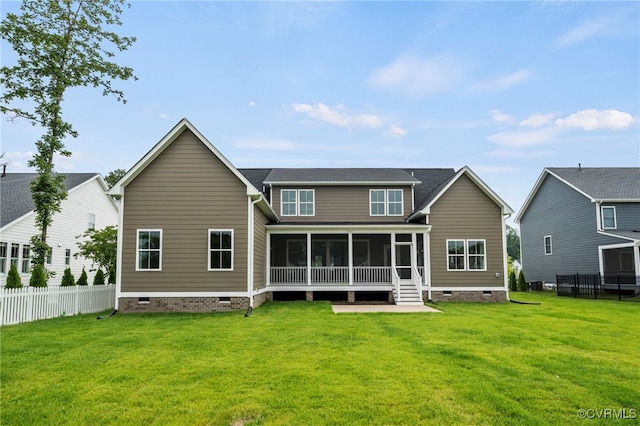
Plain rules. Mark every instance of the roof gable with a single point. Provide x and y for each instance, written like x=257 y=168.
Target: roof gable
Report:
x=441 y=189
x=167 y=140
x=595 y=183
x=15 y=192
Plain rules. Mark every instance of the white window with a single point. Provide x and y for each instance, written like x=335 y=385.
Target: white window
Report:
x=15 y=254
x=466 y=255
x=26 y=259
x=3 y=258
x=297 y=202
x=289 y=202
x=67 y=257
x=608 y=217
x=306 y=202
x=220 y=249
x=91 y=222
x=385 y=202
x=455 y=255
x=476 y=255
x=149 y=251
x=394 y=202
x=547 y=245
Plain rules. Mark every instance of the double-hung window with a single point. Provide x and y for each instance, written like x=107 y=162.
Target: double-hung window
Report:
x=149 y=252
x=385 y=202
x=608 y=214
x=220 y=249
x=26 y=259
x=15 y=254
x=466 y=255
x=67 y=257
x=3 y=257
x=297 y=202
x=547 y=245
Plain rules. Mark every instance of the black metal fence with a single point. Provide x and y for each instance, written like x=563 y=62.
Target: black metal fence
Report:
x=596 y=286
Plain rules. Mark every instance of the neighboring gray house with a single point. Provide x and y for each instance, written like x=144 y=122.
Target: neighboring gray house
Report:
x=87 y=206
x=581 y=220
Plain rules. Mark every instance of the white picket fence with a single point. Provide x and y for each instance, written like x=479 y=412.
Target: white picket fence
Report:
x=26 y=304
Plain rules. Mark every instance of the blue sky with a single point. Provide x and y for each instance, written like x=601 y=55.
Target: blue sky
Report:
x=507 y=88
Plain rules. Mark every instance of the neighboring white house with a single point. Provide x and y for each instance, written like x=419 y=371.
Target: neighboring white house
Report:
x=87 y=206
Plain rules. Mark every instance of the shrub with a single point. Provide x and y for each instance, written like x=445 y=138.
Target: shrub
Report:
x=522 y=283
x=83 y=278
x=68 y=279
x=99 y=278
x=513 y=286
x=13 y=277
x=38 y=276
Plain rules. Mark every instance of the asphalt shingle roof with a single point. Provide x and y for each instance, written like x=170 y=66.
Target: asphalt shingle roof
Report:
x=343 y=175
x=15 y=193
x=607 y=183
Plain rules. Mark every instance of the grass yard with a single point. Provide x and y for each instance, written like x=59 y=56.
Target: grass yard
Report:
x=298 y=363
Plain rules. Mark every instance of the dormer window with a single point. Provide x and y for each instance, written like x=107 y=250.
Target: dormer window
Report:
x=608 y=214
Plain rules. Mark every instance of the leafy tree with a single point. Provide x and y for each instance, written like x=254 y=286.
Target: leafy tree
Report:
x=13 y=277
x=60 y=45
x=513 y=286
x=99 y=278
x=38 y=276
x=522 y=283
x=83 y=280
x=114 y=176
x=101 y=246
x=68 y=279
x=513 y=242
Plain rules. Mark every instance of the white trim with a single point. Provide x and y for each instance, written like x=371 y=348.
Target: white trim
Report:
x=119 y=251
x=183 y=294
x=343 y=287
x=467 y=288
x=374 y=228
x=386 y=202
x=159 y=269
x=209 y=249
x=466 y=254
x=544 y=245
x=383 y=202
x=395 y=202
x=615 y=219
x=295 y=203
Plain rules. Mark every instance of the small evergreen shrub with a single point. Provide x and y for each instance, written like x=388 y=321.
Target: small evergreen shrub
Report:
x=99 y=278
x=513 y=286
x=38 y=276
x=83 y=278
x=522 y=283
x=68 y=279
x=13 y=277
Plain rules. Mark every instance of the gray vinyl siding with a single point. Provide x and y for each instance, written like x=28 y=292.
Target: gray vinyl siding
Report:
x=342 y=204
x=627 y=215
x=465 y=212
x=185 y=192
x=260 y=249
x=570 y=219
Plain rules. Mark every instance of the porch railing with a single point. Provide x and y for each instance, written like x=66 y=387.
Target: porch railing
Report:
x=297 y=275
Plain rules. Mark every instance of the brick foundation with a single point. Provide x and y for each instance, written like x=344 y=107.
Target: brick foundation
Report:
x=466 y=296
x=259 y=299
x=184 y=304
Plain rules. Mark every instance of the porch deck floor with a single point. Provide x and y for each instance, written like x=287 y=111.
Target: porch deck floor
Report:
x=342 y=308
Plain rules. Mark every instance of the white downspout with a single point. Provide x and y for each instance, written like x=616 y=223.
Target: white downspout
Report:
x=251 y=230
x=119 y=252
x=505 y=255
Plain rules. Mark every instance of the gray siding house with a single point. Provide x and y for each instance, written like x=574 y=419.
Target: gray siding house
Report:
x=581 y=220
x=198 y=234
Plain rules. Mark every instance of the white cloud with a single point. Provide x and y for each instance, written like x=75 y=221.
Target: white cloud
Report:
x=499 y=117
x=266 y=144
x=252 y=103
x=537 y=120
x=502 y=83
x=613 y=24
x=17 y=161
x=592 y=119
x=396 y=132
x=519 y=139
x=338 y=116
x=414 y=76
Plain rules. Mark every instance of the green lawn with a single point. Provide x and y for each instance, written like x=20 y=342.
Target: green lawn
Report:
x=298 y=363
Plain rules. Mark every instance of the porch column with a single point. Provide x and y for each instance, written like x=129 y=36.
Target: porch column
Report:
x=308 y=258
x=636 y=258
x=393 y=255
x=268 y=265
x=427 y=262
x=414 y=258
x=350 y=257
